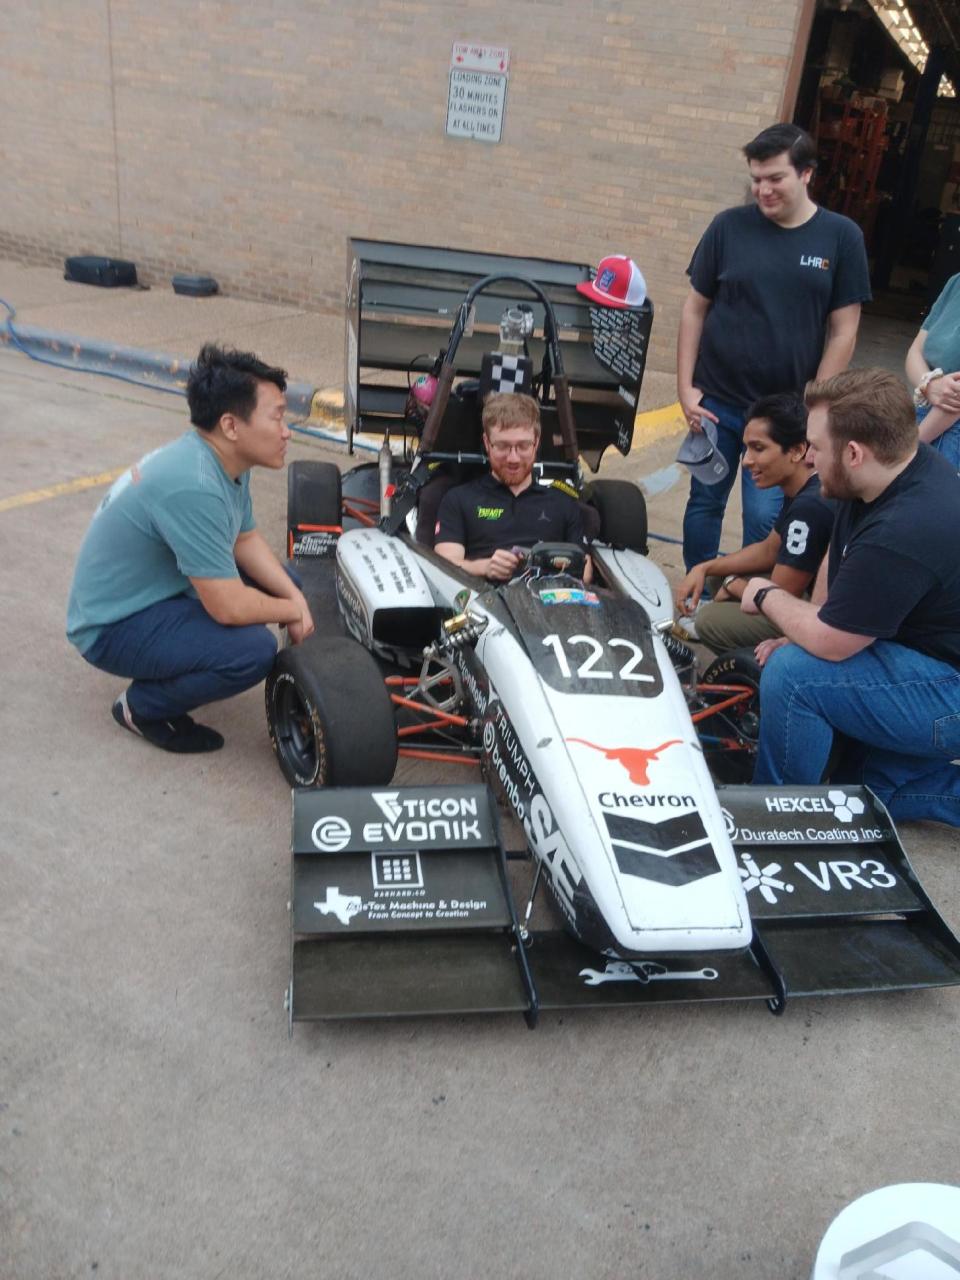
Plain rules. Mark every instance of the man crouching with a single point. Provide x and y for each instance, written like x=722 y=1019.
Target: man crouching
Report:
x=173 y=583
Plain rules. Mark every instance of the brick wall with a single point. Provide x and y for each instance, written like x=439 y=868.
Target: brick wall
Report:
x=248 y=140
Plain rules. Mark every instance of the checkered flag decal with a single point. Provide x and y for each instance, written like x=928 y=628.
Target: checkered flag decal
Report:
x=505 y=373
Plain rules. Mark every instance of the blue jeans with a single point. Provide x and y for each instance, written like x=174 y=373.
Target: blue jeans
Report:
x=703 y=518
x=903 y=705
x=179 y=658
x=948 y=443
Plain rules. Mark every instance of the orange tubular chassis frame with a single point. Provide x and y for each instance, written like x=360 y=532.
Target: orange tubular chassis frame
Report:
x=439 y=719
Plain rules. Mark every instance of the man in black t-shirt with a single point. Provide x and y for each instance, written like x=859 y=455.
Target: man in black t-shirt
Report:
x=775 y=438
x=776 y=288
x=879 y=660
x=480 y=522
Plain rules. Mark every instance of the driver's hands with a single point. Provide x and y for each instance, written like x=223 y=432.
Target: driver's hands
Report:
x=944 y=393
x=502 y=565
x=693 y=411
x=300 y=630
x=688 y=593
x=764 y=649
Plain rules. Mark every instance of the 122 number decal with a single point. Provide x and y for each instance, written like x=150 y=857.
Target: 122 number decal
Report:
x=587 y=669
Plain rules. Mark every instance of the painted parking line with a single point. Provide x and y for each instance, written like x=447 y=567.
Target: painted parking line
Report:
x=58 y=490
x=657 y=423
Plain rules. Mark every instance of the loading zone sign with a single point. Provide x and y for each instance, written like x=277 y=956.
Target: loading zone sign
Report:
x=475 y=104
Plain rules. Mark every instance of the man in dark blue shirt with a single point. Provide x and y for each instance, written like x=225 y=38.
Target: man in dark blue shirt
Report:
x=776 y=288
x=481 y=522
x=879 y=660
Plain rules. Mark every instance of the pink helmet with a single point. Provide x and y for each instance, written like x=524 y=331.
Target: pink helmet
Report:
x=422 y=391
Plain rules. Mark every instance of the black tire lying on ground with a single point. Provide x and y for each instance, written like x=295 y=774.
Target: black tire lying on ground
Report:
x=738 y=667
x=623 y=514
x=313 y=494
x=330 y=717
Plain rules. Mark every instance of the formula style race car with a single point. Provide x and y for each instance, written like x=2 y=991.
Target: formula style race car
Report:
x=578 y=708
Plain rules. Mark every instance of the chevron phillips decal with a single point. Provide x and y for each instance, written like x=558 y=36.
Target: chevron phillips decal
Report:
x=675 y=852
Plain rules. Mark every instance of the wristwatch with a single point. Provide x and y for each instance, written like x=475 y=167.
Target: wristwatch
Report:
x=731 y=577
x=761 y=595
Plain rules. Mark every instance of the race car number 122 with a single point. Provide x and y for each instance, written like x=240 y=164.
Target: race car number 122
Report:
x=587 y=669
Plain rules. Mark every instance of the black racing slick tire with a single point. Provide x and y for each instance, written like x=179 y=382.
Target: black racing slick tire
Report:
x=313 y=494
x=623 y=514
x=738 y=725
x=330 y=717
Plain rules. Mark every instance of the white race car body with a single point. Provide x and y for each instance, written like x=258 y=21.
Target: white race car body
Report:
x=585 y=730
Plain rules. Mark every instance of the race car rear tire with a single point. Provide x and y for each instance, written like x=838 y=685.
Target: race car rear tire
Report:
x=330 y=717
x=313 y=494
x=623 y=514
x=739 y=666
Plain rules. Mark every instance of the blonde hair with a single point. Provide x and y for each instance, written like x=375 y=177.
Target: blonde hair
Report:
x=510 y=409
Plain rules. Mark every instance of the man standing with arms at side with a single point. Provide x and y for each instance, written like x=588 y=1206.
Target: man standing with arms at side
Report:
x=173 y=583
x=776 y=288
x=879 y=661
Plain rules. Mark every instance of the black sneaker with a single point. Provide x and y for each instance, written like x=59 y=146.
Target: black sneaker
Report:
x=181 y=734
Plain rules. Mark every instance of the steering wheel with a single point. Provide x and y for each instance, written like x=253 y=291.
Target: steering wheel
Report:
x=547 y=559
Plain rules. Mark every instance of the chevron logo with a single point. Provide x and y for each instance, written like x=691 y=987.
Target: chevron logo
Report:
x=674 y=853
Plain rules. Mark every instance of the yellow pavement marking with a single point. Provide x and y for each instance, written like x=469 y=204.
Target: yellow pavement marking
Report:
x=657 y=423
x=327 y=403
x=58 y=490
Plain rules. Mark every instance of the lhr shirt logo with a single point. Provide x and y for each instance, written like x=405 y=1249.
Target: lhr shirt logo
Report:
x=807 y=261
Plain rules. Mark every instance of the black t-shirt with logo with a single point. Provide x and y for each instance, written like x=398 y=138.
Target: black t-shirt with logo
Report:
x=804 y=524
x=771 y=289
x=894 y=569
x=484 y=515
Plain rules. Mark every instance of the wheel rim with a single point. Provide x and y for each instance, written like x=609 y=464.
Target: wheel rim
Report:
x=295 y=732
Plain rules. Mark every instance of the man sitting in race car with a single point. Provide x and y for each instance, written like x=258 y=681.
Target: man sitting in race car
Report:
x=879 y=661
x=173 y=582
x=483 y=525
x=775 y=438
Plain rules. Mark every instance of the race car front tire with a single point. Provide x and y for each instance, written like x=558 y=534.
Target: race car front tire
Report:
x=330 y=717
x=623 y=514
x=738 y=667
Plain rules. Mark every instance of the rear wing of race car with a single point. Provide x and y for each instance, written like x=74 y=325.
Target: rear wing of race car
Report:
x=402 y=301
x=401 y=905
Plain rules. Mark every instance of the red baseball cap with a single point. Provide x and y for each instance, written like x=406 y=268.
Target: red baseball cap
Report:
x=618 y=283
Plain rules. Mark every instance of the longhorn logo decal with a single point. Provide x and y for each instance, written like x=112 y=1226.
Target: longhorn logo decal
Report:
x=636 y=760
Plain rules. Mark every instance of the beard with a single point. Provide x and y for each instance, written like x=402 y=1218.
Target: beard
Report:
x=835 y=483
x=510 y=474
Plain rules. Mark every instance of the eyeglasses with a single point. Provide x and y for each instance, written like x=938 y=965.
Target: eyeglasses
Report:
x=501 y=448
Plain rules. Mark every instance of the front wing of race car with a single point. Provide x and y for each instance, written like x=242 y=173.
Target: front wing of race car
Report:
x=401 y=904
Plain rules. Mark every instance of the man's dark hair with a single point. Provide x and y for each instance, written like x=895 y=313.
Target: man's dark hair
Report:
x=799 y=146
x=223 y=381
x=872 y=407
x=786 y=418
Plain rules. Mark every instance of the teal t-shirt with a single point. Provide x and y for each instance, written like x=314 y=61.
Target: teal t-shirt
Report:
x=941 y=350
x=173 y=516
